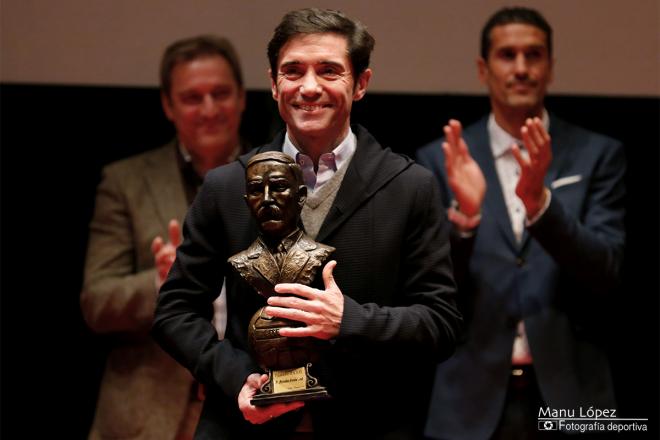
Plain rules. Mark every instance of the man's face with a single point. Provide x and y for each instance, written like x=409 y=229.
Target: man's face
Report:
x=518 y=69
x=315 y=87
x=273 y=197
x=205 y=104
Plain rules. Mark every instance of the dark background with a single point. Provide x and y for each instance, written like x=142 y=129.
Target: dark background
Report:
x=55 y=139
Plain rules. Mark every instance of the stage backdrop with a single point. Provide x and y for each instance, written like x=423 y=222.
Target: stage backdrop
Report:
x=606 y=47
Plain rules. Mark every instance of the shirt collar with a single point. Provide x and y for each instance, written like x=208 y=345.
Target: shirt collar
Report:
x=501 y=140
x=341 y=154
x=184 y=152
x=291 y=239
x=286 y=243
x=328 y=162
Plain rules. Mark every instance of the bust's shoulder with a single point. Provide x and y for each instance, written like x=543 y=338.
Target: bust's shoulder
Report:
x=242 y=259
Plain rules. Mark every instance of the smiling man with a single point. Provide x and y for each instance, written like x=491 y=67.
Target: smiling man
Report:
x=537 y=211
x=145 y=394
x=204 y=98
x=314 y=87
x=385 y=304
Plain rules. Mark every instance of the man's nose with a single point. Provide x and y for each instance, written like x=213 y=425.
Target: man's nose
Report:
x=209 y=106
x=267 y=195
x=310 y=85
x=520 y=64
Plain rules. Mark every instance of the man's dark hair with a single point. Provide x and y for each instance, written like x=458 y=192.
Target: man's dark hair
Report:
x=283 y=158
x=190 y=49
x=318 y=21
x=514 y=15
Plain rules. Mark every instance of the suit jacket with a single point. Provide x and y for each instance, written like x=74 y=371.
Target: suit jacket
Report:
x=144 y=392
x=559 y=280
x=394 y=270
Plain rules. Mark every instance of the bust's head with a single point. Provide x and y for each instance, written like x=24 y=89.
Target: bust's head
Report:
x=275 y=193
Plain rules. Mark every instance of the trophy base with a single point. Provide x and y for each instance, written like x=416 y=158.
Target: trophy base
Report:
x=315 y=393
x=293 y=385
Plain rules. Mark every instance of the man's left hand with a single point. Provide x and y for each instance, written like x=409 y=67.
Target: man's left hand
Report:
x=320 y=310
x=530 y=187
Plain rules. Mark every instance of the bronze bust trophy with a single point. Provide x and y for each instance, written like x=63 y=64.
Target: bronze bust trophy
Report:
x=283 y=253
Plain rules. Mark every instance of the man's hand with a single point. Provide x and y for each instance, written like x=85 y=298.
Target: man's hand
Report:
x=261 y=414
x=164 y=253
x=320 y=310
x=530 y=188
x=464 y=176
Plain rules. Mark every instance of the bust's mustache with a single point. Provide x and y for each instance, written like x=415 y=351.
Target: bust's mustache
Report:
x=269 y=211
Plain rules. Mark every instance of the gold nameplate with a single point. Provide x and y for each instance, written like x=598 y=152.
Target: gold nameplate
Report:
x=289 y=380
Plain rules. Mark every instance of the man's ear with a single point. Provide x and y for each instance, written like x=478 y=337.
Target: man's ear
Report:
x=361 y=85
x=167 y=105
x=273 y=86
x=302 y=196
x=482 y=70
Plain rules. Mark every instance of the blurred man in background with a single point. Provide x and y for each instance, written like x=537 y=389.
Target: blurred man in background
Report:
x=144 y=393
x=537 y=210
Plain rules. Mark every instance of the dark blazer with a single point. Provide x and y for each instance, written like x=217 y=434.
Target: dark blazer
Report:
x=558 y=280
x=392 y=249
x=144 y=392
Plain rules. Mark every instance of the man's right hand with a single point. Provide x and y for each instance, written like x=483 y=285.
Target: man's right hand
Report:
x=261 y=414
x=164 y=253
x=464 y=176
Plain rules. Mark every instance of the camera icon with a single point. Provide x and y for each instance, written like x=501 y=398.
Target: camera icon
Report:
x=547 y=425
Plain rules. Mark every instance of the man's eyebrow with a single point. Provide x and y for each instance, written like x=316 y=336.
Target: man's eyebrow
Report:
x=523 y=47
x=331 y=63
x=290 y=63
x=322 y=62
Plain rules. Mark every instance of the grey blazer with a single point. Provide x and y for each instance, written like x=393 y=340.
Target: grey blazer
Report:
x=144 y=392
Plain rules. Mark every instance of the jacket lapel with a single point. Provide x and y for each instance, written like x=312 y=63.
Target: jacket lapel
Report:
x=367 y=172
x=263 y=264
x=163 y=180
x=561 y=145
x=294 y=262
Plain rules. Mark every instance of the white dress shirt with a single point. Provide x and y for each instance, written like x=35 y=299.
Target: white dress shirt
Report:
x=328 y=162
x=508 y=172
